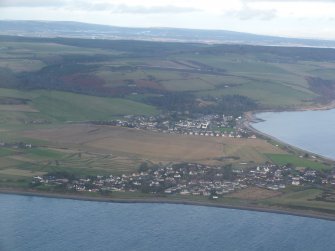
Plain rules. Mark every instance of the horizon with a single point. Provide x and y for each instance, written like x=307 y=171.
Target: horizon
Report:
x=289 y=18
x=166 y=27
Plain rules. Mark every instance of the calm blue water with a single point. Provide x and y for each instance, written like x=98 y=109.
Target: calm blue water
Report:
x=311 y=130
x=33 y=223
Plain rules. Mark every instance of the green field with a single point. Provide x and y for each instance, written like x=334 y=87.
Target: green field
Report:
x=74 y=107
x=63 y=106
x=17 y=164
x=298 y=162
x=272 y=77
x=305 y=200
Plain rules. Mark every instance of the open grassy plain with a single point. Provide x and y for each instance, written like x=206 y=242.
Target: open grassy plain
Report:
x=84 y=149
x=56 y=107
x=22 y=164
x=298 y=162
x=305 y=199
x=148 y=145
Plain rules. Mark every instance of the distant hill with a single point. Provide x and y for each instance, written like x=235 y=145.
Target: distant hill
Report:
x=94 y=31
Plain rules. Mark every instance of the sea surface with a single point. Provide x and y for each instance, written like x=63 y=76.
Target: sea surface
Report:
x=38 y=223
x=313 y=131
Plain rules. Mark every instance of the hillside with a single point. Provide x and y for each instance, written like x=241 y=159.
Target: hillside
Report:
x=95 y=31
x=143 y=77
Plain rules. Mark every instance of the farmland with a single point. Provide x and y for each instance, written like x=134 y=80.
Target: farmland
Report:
x=153 y=146
x=58 y=97
x=102 y=150
x=48 y=82
x=304 y=199
x=63 y=106
x=272 y=77
x=283 y=159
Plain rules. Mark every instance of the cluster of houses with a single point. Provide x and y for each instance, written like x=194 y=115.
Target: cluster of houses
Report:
x=207 y=125
x=15 y=145
x=191 y=179
x=37 y=121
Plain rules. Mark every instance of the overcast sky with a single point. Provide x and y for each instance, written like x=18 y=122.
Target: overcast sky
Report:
x=293 y=18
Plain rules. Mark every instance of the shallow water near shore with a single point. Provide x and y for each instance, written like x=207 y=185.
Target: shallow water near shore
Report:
x=313 y=131
x=35 y=223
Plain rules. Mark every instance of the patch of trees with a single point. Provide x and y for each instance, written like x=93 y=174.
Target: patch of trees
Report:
x=205 y=67
x=127 y=47
x=64 y=77
x=61 y=175
x=290 y=53
x=79 y=58
x=153 y=49
x=130 y=47
x=13 y=101
x=326 y=88
x=173 y=101
x=8 y=78
x=73 y=77
x=234 y=105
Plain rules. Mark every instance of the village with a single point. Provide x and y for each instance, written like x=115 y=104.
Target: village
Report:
x=190 y=179
x=204 y=125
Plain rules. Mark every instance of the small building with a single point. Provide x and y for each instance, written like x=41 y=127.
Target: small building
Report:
x=295 y=181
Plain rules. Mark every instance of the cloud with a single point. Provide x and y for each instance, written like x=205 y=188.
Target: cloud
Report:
x=97 y=6
x=155 y=9
x=137 y=9
x=247 y=13
x=288 y=1
x=293 y=1
x=31 y=3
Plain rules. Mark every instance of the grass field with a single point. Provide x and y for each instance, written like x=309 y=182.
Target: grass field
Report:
x=20 y=65
x=75 y=107
x=153 y=146
x=283 y=159
x=254 y=194
x=305 y=199
x=274 y=81
x=16 y=164
x=63 y=106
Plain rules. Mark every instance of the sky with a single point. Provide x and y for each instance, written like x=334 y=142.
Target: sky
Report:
x=290 y=18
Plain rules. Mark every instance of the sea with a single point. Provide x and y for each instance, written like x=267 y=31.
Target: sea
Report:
x=39 y=223
x=313 y=131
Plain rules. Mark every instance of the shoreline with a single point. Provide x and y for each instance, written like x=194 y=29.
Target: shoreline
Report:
x=267 y=136
x=315 y=107
x=250 y=118
x=160 y=200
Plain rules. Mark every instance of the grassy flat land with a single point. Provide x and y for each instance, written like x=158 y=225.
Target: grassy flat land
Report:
x=283 y=159
x=24 y=163
x=305 y=199
x=63 y=106
x=154 y=146
x=254 y=194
